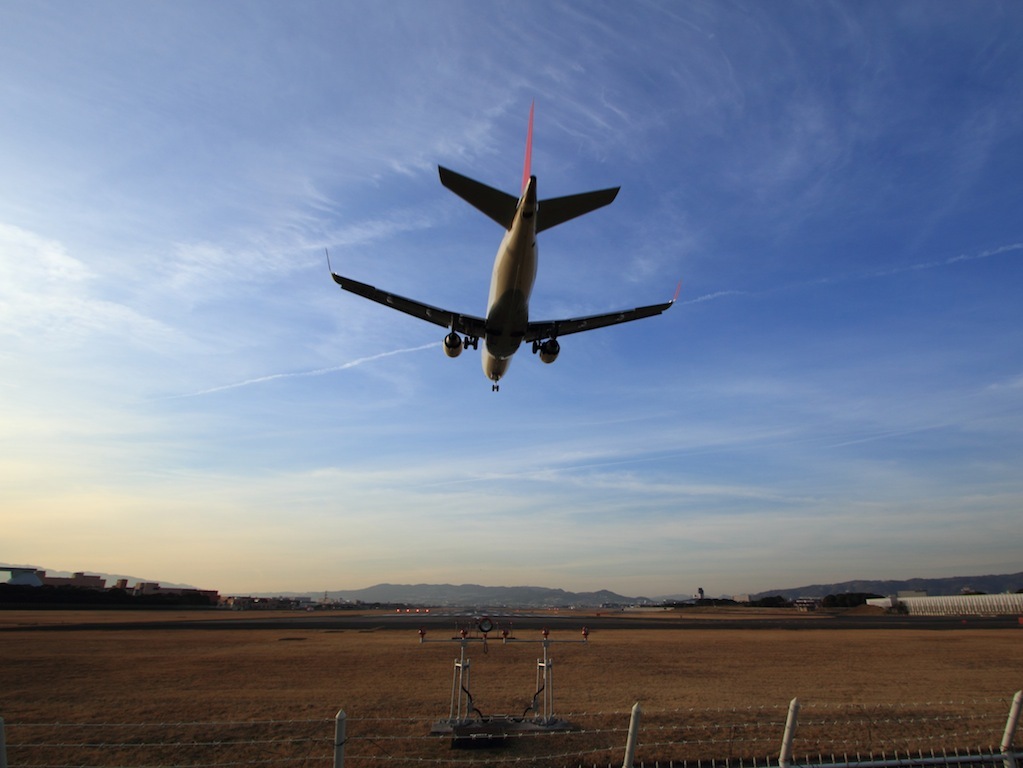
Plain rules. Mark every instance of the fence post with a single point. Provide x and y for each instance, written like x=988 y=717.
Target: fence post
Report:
x=630 y=743
x=785 y=757
x=339 y=739
x=1008 y=758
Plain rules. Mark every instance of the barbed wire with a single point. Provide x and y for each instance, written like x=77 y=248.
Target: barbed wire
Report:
x=805 y=704
x=832 y=728
x=191 y=724
x=686 y=735
x=649 y=723
x=143 y=744
x=820 y=758
x=490 y=759
x=273 y=761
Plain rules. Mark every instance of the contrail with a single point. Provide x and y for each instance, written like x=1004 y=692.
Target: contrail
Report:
x=298 y=374
x=961 y=257
x=877 y=273
x=713 y=296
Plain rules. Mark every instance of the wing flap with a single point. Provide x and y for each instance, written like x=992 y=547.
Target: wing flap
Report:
x=467 y=324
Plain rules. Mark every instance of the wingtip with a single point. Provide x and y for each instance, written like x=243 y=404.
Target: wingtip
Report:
x=678 y=289
x=337 y=278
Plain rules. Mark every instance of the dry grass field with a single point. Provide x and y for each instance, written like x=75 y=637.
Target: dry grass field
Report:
x=705 y=693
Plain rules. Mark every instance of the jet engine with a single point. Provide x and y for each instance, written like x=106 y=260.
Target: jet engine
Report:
x=549 y=350
x=452 y=345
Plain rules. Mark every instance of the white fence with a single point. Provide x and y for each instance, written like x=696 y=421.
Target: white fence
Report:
x=964 y=733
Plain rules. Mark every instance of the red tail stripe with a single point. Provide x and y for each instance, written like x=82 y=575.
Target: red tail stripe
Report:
x=529 y=149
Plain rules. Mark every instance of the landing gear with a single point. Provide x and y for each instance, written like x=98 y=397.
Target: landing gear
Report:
x=495 y=387
x=548 y=350
x=454 y=344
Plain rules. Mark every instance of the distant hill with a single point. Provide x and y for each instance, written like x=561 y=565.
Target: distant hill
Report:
x=475 y=595
x=948 y=586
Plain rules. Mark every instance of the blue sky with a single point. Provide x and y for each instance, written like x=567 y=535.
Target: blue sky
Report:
x=837 y=394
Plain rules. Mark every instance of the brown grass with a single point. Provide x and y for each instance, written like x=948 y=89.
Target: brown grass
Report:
x=704 y=692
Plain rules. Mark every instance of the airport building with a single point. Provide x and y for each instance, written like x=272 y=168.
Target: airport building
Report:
x=954 y=605
x=155 y=588
x=80 y=579
x=30 y=577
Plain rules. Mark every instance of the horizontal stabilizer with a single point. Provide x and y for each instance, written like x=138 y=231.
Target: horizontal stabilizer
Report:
x=498 y=205
x=558 y=210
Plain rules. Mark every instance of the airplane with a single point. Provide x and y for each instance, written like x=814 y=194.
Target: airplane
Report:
x=507 y=325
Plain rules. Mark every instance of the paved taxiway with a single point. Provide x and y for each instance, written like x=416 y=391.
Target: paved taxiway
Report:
x=437 y=624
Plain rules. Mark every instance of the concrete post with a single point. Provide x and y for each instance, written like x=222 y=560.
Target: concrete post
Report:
x=339 y=739
x=630 y=743
x=785 y=756
x=1008 y=758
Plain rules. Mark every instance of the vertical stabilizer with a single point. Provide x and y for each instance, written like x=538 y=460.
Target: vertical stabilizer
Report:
x=529 y=149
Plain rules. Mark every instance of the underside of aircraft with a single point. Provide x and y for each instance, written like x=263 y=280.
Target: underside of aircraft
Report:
x=507 y=325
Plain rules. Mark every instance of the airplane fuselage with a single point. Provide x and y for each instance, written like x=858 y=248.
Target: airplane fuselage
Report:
x=511 y=284
x=506 y=324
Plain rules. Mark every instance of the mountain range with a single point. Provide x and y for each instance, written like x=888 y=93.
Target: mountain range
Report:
x=953 y=585
x=475 y=595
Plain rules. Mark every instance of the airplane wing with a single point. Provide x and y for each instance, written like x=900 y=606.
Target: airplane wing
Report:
x=552 y=329
x=467 y=324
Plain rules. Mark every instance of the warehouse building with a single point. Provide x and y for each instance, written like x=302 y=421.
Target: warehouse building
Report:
x=954 y=605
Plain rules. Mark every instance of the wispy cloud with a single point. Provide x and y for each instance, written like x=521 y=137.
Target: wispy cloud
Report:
x=47 y=293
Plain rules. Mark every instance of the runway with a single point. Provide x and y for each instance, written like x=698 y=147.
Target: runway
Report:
x=439 y=623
